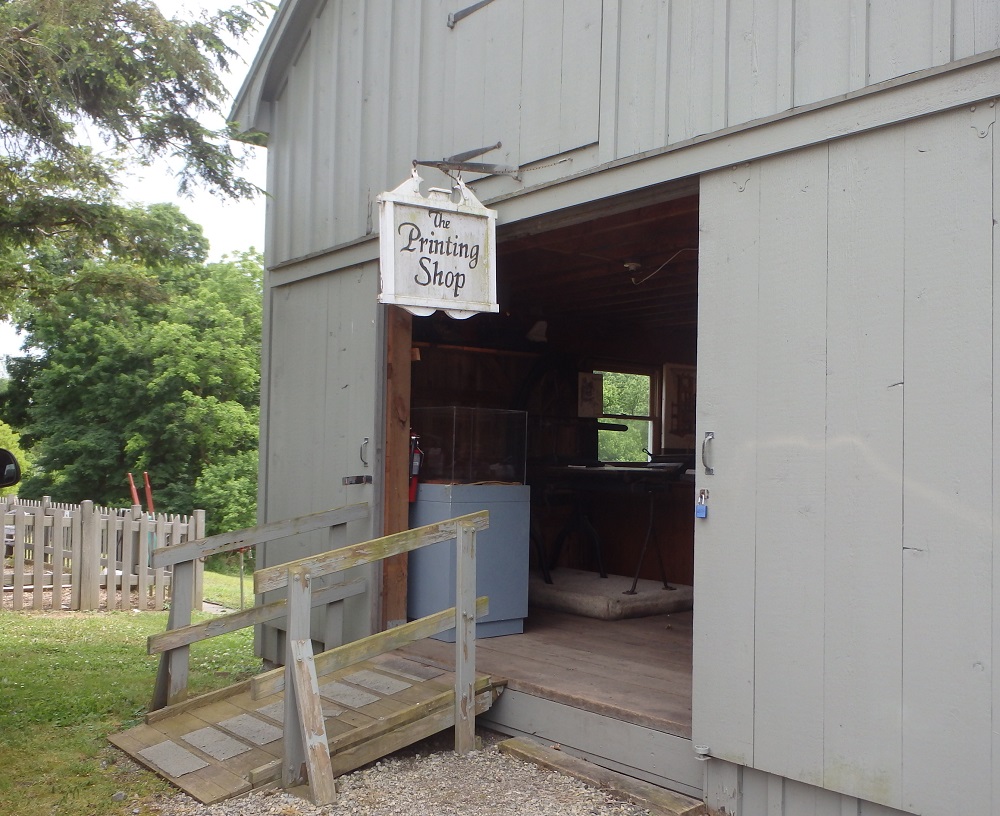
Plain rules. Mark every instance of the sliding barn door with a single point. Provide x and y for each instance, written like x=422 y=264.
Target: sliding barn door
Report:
x=845 y=581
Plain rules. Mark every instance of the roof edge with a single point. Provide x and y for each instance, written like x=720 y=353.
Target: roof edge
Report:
x=277 y=51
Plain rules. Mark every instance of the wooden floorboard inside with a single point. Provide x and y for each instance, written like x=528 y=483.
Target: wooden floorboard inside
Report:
x=636 y=670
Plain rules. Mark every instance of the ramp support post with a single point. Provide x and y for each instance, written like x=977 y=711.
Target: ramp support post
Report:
x=465 y=639
x=307 y=754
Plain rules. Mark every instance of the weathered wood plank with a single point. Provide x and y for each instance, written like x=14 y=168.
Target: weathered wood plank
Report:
x=658 y=801
x=251 y=536
x=312 y=730
x=379 y=643
x=20 y=526
x=90 y=568
x=352 y=758
x=152 y=717
x=366 y=731
x=465 y=639
x=298 y=707
x=172 y=675
x=357 y=554
x=142 y=531
x=250 y=617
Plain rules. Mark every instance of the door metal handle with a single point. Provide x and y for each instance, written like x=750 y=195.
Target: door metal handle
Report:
x=709 y=436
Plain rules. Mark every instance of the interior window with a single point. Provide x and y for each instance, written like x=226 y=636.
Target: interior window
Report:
x=626 y=421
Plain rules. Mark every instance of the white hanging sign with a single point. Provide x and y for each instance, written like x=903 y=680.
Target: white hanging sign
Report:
x=436 y=253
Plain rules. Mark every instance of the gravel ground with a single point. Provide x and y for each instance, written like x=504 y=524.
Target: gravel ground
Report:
x=429 y=779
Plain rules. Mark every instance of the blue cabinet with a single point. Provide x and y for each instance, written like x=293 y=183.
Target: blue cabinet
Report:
x=501 y=554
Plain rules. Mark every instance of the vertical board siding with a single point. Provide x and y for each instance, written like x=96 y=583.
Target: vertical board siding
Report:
x=948 y=424
x=996 y=475
x=692 y=67
x=821 y=33
x=379 y=84
x=748 y=791
x=321 y=123
x=403 y=100
x=977 y=27
x=469 y=96
x=502 y=56
x=725 y=542
x=643 y=76
x=864 y=460
x=375 y=100
x=300 y=171
x=790 y=479
x=348 y=139
x=753 y=68
x=874 y=623
x=901 y=37
x=579 y=94
x=560 y=76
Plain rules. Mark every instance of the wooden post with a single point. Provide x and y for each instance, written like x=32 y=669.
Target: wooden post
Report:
x=58 y=557
x=142 y=558
x=90 y=557
x=41 y=538
x=172 y=676
x=130 y=555
x=307 y=755
x=399 y=324
x=20 y=526
x=465 y=639
x=76 y=559
x=196 y=531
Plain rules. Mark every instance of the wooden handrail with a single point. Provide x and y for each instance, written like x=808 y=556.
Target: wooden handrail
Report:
x=355 y=555
x=381 y=642
x=234 y=621
x=251 y=536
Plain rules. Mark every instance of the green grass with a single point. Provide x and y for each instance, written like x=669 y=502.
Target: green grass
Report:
x=224 y=588
x=67 y=681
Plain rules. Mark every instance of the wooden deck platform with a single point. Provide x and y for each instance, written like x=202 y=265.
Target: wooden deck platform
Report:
x=636 y=670
x=225 y=743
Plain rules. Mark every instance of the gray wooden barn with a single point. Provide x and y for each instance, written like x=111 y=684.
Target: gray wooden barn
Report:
x=794 y=198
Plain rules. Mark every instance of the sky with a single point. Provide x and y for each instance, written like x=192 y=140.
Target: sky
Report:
x=229 y=226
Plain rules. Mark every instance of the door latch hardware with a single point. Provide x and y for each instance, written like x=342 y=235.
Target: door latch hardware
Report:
x=709 y=436
x=356 y=480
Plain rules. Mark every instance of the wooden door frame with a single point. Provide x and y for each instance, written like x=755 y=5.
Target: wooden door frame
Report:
x=396 y=504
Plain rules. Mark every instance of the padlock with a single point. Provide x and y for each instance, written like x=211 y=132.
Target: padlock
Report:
x=701 y=508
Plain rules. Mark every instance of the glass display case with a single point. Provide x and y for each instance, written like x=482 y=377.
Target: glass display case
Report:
x=470 y=445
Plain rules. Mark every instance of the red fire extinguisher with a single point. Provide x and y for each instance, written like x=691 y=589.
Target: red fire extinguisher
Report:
x=416 y=458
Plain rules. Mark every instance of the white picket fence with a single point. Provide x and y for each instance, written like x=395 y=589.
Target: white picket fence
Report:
x=84 y=557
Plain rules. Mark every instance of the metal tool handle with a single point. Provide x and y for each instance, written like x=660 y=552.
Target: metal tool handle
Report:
x=709 y=436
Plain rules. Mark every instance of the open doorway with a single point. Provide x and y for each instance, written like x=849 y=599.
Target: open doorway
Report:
x=596 y=345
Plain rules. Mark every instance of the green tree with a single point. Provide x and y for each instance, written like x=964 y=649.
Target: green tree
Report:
x=162 y=377
x=89 y=86
x=625 y=395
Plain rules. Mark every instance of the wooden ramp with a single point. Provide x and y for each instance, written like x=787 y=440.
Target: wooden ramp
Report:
x=225 y=743
x=321 y=714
